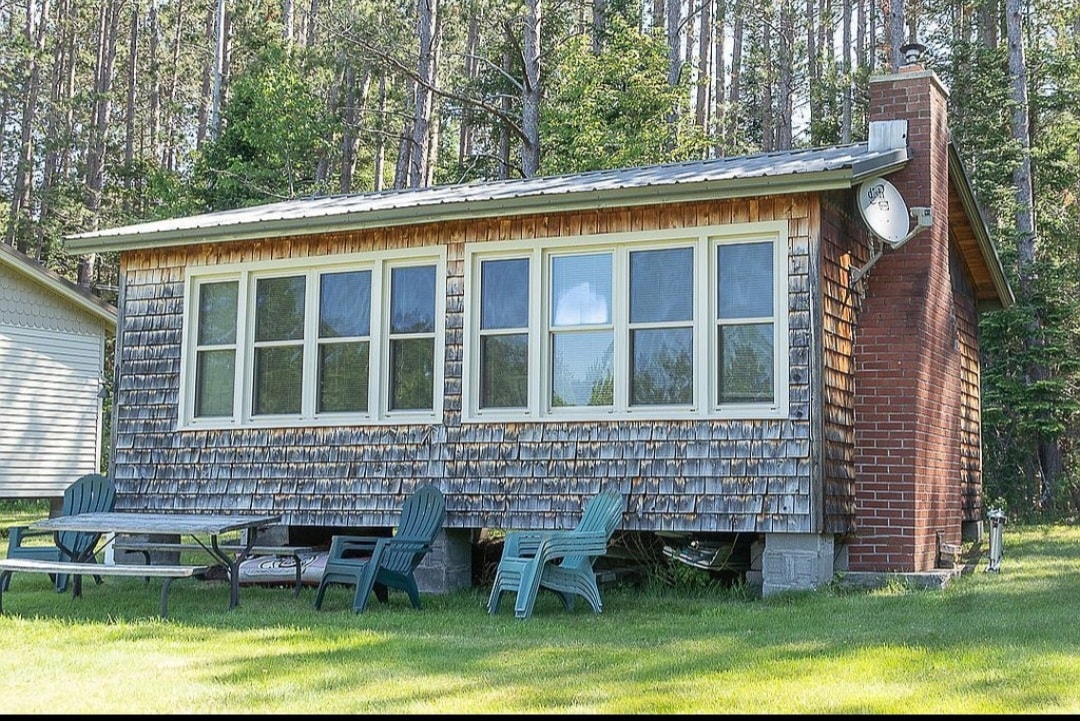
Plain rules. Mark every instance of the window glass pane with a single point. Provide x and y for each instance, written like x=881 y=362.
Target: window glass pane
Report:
x=217 y=313
x=412 y=300
x=412 y=373
x=581 y=290
x=661 y=285
x=345 y=304
x=662 y=366
x=504 y=365
x=582 y=369
x=214 y=377
x=746 y=363
x=745 y=277
x=279 y=308
x=504 y=293
x=343 y=377
x=278 y=375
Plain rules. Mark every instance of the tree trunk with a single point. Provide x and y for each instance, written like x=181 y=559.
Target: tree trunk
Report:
x=355 y=101
x=896 y=33
x=530 y=100
x=380 y=134
x=472 y=47
x=130 y=125
x=599 y=23
x=37 y=21
x=719 y=89
x=767 y=110
x=785 y=82
x=503 y=142
x=427 y=26
x=734 y=94
x=220 y=36
x=703 y=100
x=848 y=79
x=206 y=97
x=1047 y=453
x=673 y=18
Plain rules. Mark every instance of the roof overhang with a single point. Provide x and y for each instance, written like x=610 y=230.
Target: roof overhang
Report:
x=600 y=189
x=58 y=285
x=973 y=237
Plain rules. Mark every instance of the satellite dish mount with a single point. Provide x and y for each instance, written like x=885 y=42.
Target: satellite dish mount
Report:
x=886 y=215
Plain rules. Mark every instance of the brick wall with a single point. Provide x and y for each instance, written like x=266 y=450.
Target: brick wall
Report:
x=910 y=399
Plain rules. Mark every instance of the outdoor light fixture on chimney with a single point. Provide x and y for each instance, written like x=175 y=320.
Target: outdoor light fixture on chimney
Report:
x=886 y=215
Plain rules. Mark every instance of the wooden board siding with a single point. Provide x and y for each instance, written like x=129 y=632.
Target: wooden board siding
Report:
x=844 y=246
x=696 y=475
x=970 y=420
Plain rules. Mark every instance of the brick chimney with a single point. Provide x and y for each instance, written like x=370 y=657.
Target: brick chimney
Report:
x=909 y=379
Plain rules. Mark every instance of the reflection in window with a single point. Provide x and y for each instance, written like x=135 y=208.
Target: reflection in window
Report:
x=662 y=327
x=215 y=353
x=278 y=369
x=412 y=337
x=504 y=333
x=582 y=335
x=745 y=301
x=344 y=341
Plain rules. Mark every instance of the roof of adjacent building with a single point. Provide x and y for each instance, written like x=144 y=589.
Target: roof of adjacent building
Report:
x=27 y=267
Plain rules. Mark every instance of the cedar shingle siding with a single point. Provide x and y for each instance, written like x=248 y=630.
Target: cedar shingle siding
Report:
x=753 y=475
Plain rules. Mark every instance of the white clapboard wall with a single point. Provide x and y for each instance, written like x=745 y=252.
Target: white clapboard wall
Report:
x=52 y=353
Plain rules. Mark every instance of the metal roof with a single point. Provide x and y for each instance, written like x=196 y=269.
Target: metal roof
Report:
x=787 y=171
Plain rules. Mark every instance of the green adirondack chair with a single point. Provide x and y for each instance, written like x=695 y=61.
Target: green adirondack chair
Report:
x=560 y=561
x=91 y=493
x=375 y=564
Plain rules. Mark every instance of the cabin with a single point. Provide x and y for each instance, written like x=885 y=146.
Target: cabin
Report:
x=53 y=337
x=724 y=341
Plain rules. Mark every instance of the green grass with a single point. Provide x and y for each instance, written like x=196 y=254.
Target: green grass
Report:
x=990 y=643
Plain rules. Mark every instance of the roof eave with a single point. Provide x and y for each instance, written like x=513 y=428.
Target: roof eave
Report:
x=962 y=184
x=87 y=302
x=564 y=202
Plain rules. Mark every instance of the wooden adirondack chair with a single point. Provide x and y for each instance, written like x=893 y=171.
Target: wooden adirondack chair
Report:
x=559 y=561
x=376 y=564
x=91 y=493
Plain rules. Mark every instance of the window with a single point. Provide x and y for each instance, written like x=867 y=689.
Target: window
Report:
x=654 y=325
x=344 y=341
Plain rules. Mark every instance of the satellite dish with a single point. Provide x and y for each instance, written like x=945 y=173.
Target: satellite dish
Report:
x=884 y=211
x=886 y=214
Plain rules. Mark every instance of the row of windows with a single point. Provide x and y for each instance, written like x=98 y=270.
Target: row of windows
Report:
x=656 y=325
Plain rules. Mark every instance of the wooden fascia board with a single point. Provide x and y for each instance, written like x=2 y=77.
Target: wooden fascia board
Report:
x=991 y=260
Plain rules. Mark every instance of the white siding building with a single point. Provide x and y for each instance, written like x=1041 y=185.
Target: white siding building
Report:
x=52 y=374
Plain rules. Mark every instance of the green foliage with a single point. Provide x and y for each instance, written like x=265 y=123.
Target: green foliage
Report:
x=274 y=126
x=614 y=110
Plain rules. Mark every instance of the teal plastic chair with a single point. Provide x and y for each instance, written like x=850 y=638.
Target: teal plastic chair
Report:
x=558 y=561
x=92 y=493
x=374 y=564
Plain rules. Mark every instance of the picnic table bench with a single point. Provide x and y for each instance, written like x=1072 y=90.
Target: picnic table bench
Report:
x=148 y=547
x=168 y=573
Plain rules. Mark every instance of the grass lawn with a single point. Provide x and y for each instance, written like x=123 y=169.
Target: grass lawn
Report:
x=1005 y=643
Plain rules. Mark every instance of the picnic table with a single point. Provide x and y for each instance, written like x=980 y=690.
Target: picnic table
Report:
x=197 y=525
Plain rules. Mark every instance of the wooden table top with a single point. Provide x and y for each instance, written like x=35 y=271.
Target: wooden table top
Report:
x=140 y=522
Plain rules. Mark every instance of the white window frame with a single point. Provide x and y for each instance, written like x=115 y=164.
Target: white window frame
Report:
x=245 y=274
x=704 y=240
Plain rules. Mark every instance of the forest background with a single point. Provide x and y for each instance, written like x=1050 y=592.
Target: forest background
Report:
x=118 y=111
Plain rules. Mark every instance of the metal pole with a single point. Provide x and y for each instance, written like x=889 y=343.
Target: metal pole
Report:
x=997 y=532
